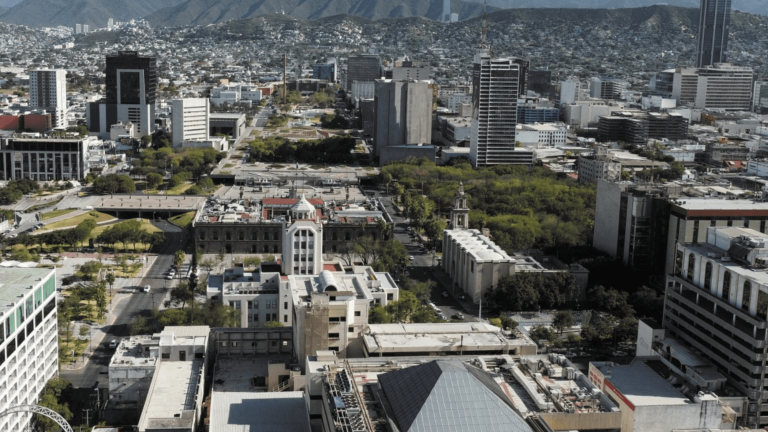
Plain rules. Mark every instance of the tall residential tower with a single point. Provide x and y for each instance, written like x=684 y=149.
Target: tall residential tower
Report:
x=714 y=19
x=48 y=90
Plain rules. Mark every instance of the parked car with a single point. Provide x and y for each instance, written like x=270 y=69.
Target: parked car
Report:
x=584 y=354
x=458 y=315
x=619 y=354
x=442 y=317
x=146 y=288
x=170 y=276
x=445 y=294
x=113 y=344
x=570 y=355
x=411 y=258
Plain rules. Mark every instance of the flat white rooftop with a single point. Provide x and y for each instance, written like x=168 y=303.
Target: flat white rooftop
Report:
x=174 y=388
x=642 y=386
x=437 y=337
x=262 y=412
x=480 y=246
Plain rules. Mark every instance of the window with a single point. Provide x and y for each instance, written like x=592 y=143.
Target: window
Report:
x=333 y=335
x=285 y=318
x=285 y=305
x=346 y=236
x=726 y=286
x=275 y=236
x=228 y=235
x=390 y=296
x=708 y=276
x=250 y=304
x=256 y=317
x=202 y=235
x=274 y=248
x=351 y=330
x=266 y=235
x=691 y=265
x=215 y=235
x=746 y=295
x=472 y=266
x=241 y=235
x=335 y=236
x=234 y=344
x=223 y=344
x=357 y=313
x=254 y=235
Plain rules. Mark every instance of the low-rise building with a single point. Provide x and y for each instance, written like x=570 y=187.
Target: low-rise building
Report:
x=542 y=135
x=232 y=125
x=254 y=295
x=401 y=340
x=44 y=159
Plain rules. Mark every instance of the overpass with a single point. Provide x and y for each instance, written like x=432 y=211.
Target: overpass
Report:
x=136 y=205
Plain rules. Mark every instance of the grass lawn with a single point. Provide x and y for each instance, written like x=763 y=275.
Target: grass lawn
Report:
x=183 y=220
x=56 y=213
x=229 y=165
x=178 y=190
x=73 y=221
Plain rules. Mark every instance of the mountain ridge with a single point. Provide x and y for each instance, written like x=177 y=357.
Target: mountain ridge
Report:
x=95 y=13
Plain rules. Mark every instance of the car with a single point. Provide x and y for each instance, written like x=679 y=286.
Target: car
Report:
x=458 y=315
x=14 y=235
x=619 y=354
x=146 y=288
x=169 y=276
x=407 y=273
x=570 y=355
x=442 y=317
x=113 y=344
x=445 y=294
x=411 y=258
x=584 y=354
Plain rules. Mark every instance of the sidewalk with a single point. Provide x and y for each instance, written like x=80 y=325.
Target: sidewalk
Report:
x=447 y=283
x=75 y=213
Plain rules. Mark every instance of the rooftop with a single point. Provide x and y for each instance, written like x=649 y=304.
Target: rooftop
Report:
x=174 y=390
x=641 y=385
x=132 y=352
x=480 y=246
x=437 y=337
x=16 y=282
x=232 y=116
x=251 y=412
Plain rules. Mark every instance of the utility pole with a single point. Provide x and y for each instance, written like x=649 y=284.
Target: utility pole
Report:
x=285 y=79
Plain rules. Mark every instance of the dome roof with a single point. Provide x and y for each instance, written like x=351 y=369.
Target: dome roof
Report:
x=303 y=206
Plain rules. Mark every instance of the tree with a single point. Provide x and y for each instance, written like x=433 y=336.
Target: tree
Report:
x=273 y=324
x=508 y=323
x=178 y=259
x=111 y=281
x=379 y=315
x=563 y=320
x=540 y=332
x=611 y=301
x=114 y=183
x=139 y=326
x=207 y=265
x=434 y=229
x=154 y=180
x=20 y=253
x=182 y=294
x=54 y=397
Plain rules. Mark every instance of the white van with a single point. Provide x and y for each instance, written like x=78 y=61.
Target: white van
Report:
x=146 y=288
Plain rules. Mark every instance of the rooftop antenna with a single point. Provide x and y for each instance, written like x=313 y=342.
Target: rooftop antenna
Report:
x=483 y=38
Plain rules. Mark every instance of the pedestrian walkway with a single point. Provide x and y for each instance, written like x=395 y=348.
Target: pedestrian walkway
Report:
x=73 y=214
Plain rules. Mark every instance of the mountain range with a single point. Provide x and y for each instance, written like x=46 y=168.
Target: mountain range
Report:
x=171 y=13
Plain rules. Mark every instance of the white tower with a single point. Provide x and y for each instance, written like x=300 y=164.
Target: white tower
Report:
x=446 y=11
x=302 y=240
x=460 y=211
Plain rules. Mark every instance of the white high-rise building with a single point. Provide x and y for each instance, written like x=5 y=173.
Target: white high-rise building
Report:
x=48 y=90
x=722 y=86
x=190 y=120
x=110 y=23
x=446 y=11
x=78 y=28
x=495 y=88
x=570 y=91
x=29 y=354
x=86 y=28
x=302 y=240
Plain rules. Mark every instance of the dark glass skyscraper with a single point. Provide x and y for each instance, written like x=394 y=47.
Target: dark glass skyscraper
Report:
x=714 y=20
x=130 y=63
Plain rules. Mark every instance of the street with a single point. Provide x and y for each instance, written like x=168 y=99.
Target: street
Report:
x=94 y=373
x=423 y=266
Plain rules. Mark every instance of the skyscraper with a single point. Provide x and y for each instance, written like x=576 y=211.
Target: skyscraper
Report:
x=363 y=68
x=78 y=28
x=131 y=84
x=446 y=11
x=191 y=119
x=48 y=90
x=495 y=89
x=714 y=20
x=403 y=114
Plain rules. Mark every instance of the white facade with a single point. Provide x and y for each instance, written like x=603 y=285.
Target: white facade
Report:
x=453 y=101
x=760 y=97
x=725 y=87
x=581 y=113
x=48 y=90
x=363 y=89
x=570 y=91
x=757 y=167
x=120 y=130
x=190 y=120
x=255 y=296
x=28 y=340
x=302 y=240
x=542 y=135
x=593 y=168
x=474 y=262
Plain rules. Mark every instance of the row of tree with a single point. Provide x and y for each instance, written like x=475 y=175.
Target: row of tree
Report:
x=15 y=190
x=333 y=150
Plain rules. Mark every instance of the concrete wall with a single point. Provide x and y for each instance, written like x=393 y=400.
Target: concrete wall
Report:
x=389 y=154
x=403 y=114
x=582 y=421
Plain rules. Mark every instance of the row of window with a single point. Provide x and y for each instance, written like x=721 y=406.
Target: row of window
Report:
x=265 y=235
